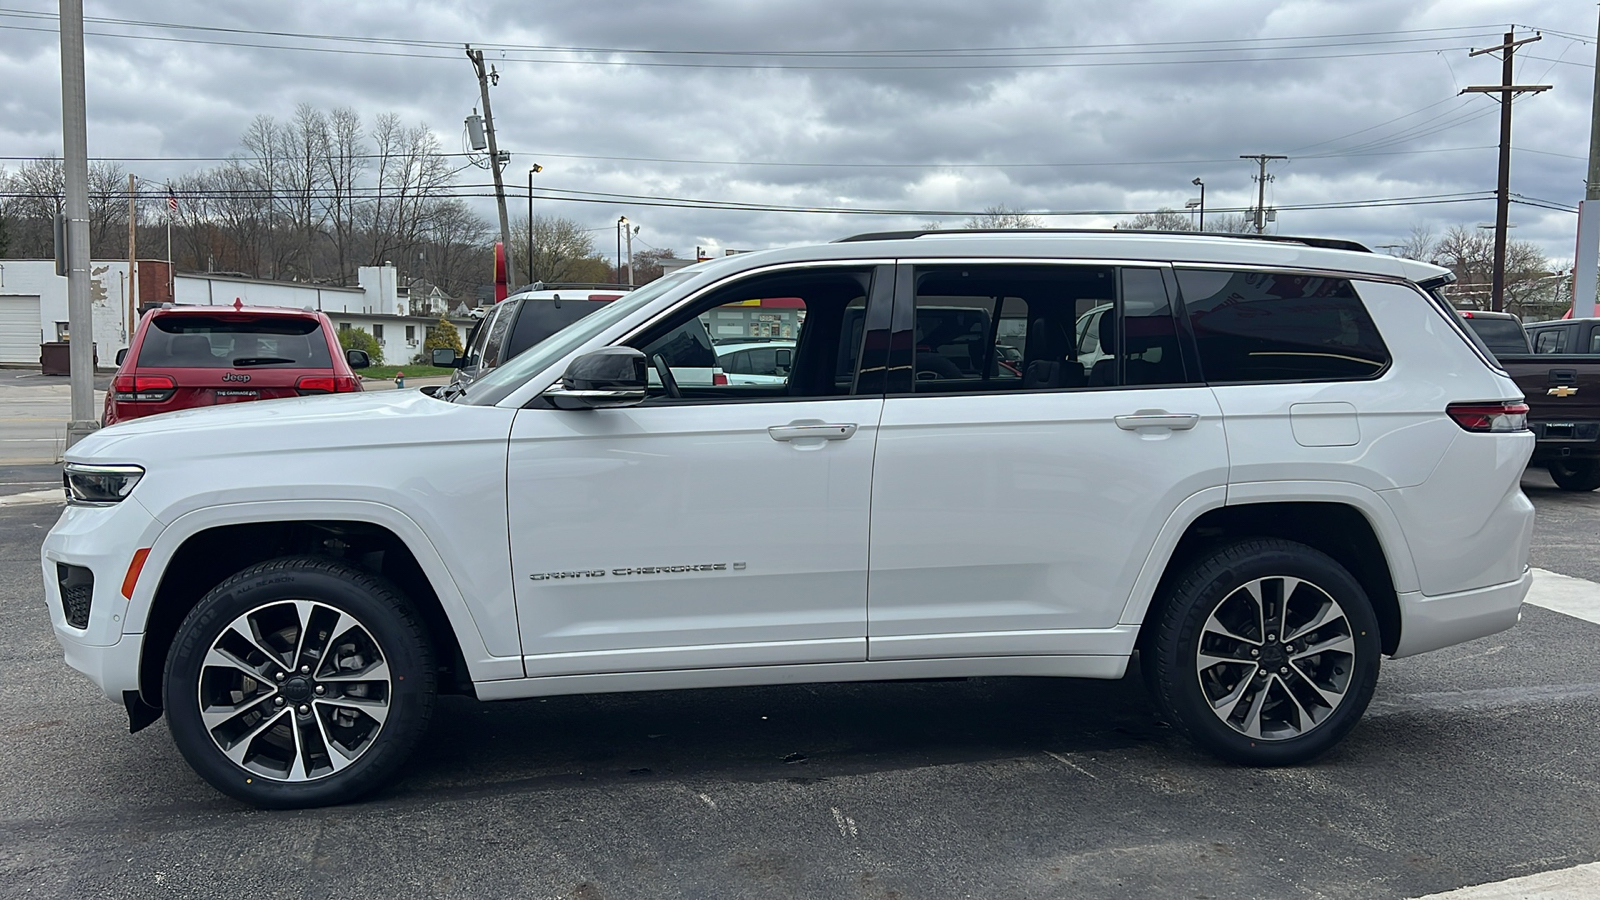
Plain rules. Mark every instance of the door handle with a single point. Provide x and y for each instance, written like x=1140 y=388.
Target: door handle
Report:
x=811 y=431
x=1157 y=418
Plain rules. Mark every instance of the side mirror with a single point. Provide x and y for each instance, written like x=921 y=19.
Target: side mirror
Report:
x=604 y=379
x=445 y=358
x=122 y=355
x=358 y=359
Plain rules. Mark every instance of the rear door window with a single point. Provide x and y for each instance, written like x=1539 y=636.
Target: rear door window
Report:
x=226 y=342
x=1549 y=340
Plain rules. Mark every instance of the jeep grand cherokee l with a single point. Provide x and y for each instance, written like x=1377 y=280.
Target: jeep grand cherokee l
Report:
x=1283 y=460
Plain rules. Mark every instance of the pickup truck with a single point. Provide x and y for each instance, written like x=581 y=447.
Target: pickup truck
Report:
x=1558 y=370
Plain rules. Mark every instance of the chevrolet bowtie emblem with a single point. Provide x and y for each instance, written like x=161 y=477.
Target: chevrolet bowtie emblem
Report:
x=1562 y=391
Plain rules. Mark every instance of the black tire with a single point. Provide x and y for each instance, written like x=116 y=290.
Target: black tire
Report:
x=351 y=711
x=1575 y=474
x=1213 y=702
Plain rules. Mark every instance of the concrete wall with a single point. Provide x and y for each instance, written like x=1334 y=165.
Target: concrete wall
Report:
x=108 y=295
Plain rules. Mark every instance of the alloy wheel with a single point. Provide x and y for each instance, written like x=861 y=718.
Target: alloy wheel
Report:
x=1275 y=658
x=294 y=690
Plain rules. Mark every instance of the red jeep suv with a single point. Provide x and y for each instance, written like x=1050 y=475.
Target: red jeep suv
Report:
x=188 y=356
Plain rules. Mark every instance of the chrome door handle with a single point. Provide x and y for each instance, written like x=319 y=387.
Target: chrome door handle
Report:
x=810 y=431
x=1154 y=418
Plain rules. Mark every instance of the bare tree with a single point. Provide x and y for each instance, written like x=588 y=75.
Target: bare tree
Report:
x=345 y=164
x=1469 y=253
x=303 y=142
x=410 y=174
x=1003 y=217
x=1163 y=219
x=563 y=250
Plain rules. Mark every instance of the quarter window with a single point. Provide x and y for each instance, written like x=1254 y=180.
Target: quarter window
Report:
x=1266 y=326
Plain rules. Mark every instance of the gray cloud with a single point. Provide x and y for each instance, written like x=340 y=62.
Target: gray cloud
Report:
x=1070 y=137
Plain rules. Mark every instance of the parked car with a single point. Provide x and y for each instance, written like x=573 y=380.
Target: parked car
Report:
x=1289 y=459
x=1578 y=336
x=1501 y=332
x=187 y=356
x=756 y=362
x=520 y=321
x=1557 y=366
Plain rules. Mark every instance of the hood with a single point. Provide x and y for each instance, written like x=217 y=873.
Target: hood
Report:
x=319 y=422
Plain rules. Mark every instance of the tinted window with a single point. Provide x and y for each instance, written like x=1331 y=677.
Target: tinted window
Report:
x=1549 y=340
x=218 y=342
x=1019 y=327
x=1264 y=326
x=542 y=318
x=1499 y=335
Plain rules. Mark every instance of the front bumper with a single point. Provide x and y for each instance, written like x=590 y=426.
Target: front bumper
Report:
x=103 y=541
x=1428 y=623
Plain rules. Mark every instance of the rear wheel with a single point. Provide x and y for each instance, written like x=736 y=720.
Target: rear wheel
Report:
x=1575 y=474
x=299 y=682
x=1265 y=653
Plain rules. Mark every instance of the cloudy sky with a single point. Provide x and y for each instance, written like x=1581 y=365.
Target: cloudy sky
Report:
x=888 y=114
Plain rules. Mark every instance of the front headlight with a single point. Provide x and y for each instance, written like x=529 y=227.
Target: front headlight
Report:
x=89 y=485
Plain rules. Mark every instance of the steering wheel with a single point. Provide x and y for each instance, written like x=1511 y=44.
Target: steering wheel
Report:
x=668 y=383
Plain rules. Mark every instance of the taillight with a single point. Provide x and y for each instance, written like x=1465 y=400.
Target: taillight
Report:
x=326 y=384
x=143 y=388
x=718 y=378
x=1508 y=415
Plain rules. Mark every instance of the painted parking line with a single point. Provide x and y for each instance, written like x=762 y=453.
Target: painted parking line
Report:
x=27 y=498
x=1576 y=883
x=1575 y=597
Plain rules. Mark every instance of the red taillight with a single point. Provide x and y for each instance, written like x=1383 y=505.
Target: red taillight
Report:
x=718 y=378
x=1508 y=415
x=143 y=388
x=326 y=384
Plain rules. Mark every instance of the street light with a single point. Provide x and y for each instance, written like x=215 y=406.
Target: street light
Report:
x=1201 y=202
x=535 y=169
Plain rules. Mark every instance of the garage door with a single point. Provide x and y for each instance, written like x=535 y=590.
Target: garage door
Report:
x=19 y=330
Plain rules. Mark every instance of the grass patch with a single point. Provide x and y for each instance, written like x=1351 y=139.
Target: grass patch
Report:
x=386 y=373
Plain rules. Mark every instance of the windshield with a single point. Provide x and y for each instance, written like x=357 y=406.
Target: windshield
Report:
x=493 y=387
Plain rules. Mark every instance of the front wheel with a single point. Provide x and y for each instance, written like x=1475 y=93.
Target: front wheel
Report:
x=1575 y=474
x=1265 y=653
x=299 y=682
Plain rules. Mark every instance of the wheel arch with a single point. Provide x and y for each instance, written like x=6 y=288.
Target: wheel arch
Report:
x=201 y=548
x=1341 y=529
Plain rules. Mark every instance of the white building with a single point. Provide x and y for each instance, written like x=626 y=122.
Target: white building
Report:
x=33 y=305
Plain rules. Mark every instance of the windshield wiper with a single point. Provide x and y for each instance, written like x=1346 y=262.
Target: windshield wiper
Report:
x=260 y=360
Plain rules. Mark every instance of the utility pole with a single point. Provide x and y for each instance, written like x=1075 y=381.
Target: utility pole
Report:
x=631 y=231
x=1261 y=187
x=622 y=225
x=1586 y=261
x=75 y=169
x=494 y=156
x=1502 y=204
x=133 y=256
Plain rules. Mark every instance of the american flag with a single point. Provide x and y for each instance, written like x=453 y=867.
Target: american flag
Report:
x=172 y=200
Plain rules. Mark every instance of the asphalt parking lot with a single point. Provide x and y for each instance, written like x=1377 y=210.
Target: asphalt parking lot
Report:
x=1475 y=764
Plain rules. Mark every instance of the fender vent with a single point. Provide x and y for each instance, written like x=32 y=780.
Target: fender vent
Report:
x=77 y=592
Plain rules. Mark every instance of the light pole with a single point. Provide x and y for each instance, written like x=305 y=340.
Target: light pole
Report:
x=1202 y=185
x=534 y=170
x=622 y=225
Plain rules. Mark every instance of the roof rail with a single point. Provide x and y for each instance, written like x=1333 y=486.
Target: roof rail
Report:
x=1323 y=243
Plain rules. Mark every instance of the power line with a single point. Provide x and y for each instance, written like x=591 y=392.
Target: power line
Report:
x=549 y=60
x=1224 y=45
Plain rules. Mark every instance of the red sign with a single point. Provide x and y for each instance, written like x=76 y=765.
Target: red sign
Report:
x=501 y=276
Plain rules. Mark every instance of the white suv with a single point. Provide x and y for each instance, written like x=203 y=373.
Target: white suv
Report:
x=1285 y=459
